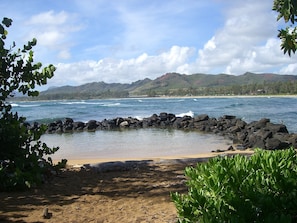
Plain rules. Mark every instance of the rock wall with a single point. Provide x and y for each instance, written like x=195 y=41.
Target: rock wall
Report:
x=257 y=134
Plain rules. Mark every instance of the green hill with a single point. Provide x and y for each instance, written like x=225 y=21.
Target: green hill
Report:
x=174 y=84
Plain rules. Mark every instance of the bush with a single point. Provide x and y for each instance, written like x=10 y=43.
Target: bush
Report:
x=24 y=159
x=260 y=188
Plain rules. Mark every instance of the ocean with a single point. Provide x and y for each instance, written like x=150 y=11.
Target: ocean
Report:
x=149 y=143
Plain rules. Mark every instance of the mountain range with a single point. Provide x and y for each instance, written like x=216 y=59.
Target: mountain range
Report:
x=167 y=84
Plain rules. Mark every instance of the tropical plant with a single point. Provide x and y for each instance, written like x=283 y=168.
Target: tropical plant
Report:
x=23 y=157
x=260 y=188
x=287 y=9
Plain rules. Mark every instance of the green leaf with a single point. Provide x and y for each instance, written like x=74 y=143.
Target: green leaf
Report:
x=240 y=188
x=2 y=30
x=7 y=22
x=23 y=149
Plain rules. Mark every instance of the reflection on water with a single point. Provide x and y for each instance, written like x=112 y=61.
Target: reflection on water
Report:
x=140 y=143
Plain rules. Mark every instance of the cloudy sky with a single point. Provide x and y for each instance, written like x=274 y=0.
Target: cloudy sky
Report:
x=128 y=40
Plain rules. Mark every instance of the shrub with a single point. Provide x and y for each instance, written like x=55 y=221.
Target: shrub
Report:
x=260 y=188
x=24 y=159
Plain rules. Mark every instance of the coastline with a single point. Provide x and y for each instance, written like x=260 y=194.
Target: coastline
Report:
x=167 y=159
x=227 y=96
x=14 y=99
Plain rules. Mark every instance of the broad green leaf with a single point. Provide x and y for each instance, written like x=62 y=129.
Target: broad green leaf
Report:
x=7 y=22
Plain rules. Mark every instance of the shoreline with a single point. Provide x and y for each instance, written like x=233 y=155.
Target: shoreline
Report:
x=167 y=159
x=230 y=96
x=160 y=97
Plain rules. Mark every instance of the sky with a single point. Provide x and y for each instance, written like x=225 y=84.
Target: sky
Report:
x=122 y=41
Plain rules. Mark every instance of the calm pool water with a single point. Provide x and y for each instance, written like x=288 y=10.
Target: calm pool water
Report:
x=129 y=144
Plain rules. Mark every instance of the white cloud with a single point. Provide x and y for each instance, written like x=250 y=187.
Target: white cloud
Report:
x=290 y=69
x=64 y=54
x=120 y=70
x=210 y=45
x=49 y=18
x=238 y=46
x=49 y=38
x=53 y=33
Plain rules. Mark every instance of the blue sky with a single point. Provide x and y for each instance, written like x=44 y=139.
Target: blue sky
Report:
x=124 y=41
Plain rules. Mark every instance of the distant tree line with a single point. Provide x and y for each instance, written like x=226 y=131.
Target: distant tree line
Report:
x=84 y=95
x=275 y=88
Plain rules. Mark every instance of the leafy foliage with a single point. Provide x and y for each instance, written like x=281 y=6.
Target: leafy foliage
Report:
x=260 y=188
x=22 y=161
x=287 y=9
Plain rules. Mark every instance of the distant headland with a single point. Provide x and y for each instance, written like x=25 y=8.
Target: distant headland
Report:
x=179 y=85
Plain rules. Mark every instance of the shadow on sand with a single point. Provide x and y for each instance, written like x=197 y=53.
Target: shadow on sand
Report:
x=116 y=180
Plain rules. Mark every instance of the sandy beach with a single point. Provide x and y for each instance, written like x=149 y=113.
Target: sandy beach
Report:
x=126 y=191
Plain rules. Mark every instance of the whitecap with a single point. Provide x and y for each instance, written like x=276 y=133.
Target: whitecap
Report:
x=139 y=118
x=23 y=105
x=72 y=102
x=189 y=113
x=112 y=104
x=94 y=103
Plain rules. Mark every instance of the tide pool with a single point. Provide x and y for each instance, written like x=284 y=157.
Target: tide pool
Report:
x=133 y=144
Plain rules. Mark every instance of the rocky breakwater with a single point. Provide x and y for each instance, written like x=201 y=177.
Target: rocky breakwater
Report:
x=257 y=134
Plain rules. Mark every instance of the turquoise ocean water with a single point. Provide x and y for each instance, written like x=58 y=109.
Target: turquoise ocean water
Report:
x=147 y=143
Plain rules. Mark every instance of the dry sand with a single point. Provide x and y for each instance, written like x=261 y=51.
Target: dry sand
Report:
x=137 y=191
